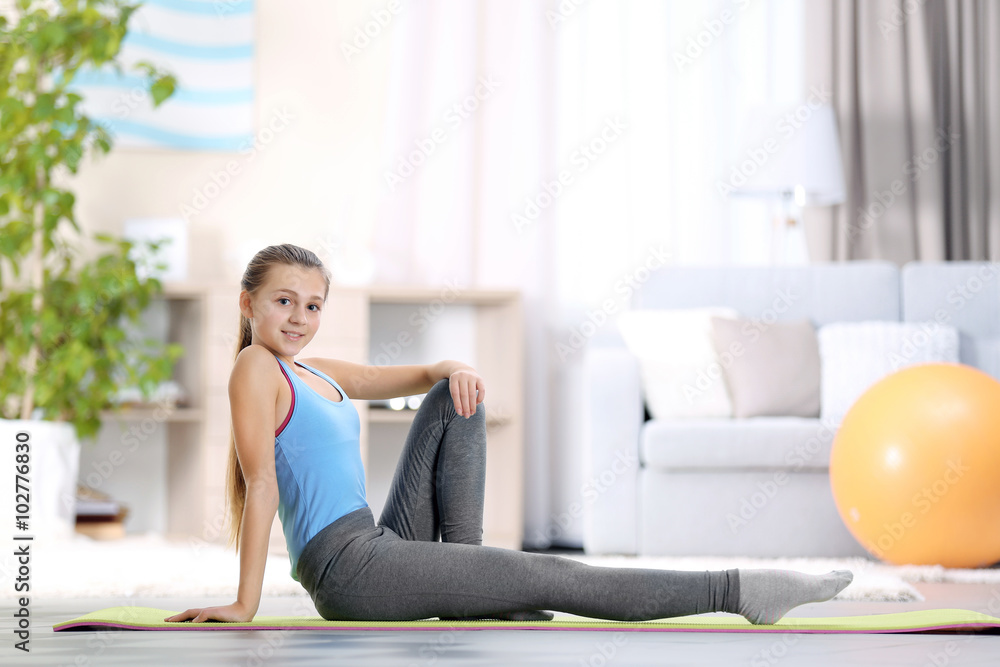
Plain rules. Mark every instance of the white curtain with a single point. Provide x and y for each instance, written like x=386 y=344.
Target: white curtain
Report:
x=587 y=145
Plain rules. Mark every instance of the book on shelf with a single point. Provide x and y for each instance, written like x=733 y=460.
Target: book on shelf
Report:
x=93 y=505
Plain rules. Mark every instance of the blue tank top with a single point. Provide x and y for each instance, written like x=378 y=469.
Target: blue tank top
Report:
x=317 y=459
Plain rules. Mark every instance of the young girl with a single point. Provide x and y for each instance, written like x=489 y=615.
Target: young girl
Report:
x=310 y=472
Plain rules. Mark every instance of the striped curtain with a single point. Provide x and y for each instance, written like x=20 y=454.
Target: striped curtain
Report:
x=916 y=87
x=208 y=46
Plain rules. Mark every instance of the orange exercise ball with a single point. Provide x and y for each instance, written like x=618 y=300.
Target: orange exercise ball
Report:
x=915 y=467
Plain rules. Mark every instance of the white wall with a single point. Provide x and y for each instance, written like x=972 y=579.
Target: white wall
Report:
x=297 y=186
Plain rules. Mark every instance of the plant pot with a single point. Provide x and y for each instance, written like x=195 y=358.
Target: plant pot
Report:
x=53 y=466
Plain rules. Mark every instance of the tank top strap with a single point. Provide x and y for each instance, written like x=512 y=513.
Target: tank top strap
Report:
x=291 y=407
x=316 y=371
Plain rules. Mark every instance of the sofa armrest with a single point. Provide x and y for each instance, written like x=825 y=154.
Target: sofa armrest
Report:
x=614 y=418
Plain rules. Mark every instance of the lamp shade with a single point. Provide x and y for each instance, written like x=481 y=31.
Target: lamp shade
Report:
x=792 y=152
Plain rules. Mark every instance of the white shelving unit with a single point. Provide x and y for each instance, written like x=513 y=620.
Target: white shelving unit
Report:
x=175 y=480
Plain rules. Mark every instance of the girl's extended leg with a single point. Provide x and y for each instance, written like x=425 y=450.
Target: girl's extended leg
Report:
x=355 y=570
x=376 y=575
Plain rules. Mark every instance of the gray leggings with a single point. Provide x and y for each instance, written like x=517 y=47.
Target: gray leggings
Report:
x=398 y=570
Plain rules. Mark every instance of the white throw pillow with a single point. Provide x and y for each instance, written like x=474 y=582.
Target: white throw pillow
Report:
x=856 y=355
x=678 y=367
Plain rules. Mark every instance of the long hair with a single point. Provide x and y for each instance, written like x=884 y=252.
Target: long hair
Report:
x=256 y=275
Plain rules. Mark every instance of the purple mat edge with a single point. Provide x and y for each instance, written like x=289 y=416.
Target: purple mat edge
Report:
x=210 y=626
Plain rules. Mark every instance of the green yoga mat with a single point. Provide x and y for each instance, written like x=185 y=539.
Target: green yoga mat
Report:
x=932 y=620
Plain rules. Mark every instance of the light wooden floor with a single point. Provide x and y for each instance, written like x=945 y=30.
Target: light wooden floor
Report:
x=596 y=649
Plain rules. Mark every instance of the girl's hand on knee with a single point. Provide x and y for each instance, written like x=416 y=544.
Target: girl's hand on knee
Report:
x=467 y=390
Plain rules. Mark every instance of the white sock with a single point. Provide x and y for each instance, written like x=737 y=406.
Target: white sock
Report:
x=767 y=595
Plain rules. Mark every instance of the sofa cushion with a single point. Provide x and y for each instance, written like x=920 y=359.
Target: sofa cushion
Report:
x=830 y=292
x=982 y=352
x=856 y=355
x=795 y=443
x=771 y=369
x=679 y=373
x=965 y=295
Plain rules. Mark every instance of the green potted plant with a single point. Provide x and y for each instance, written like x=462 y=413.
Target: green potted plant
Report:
x=67 y=313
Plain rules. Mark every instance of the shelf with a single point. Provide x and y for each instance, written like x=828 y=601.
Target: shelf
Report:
x=184 y=290
x=389 y=416
x=408 y=294
x=138 y=413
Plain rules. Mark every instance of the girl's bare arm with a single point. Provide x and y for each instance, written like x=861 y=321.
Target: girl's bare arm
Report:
x=252 y=396
x=365 y=382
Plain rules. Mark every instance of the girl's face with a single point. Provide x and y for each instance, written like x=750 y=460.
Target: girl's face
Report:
x=285 y=312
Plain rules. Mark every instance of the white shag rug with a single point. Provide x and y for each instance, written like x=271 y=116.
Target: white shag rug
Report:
x=148 y=565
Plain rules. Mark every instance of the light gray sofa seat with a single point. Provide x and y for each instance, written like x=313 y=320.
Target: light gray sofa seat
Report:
x=721 y=486
x=768 y=479
x=769 y=443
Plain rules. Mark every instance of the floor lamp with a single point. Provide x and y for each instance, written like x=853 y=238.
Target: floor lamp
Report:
x=803 y=168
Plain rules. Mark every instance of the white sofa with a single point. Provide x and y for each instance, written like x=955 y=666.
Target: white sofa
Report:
x=755 y=486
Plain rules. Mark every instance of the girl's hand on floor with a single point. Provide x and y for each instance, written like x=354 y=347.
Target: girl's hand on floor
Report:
x=231 y=613
x=464 y=384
